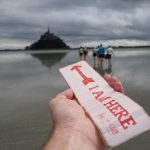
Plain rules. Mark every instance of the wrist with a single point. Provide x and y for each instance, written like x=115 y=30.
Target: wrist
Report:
x=77 y=136
x=73 y=138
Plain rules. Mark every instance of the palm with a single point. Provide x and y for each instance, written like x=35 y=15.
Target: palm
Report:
x=69 y=115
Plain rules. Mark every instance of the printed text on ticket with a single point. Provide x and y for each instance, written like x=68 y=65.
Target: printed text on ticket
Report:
x=117 y=117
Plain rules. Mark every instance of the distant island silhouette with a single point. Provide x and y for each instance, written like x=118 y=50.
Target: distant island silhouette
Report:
x=48 y=41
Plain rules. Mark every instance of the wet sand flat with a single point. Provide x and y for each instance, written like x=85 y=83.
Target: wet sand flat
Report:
x=29 y=80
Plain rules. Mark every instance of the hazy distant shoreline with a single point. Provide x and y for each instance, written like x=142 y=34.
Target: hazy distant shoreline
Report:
x=59 y=50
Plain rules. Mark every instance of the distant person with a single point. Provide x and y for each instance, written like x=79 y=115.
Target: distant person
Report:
x=85 y=52
x=81 y=52
x=95 y=54
x=109 y=52
x=101 y=55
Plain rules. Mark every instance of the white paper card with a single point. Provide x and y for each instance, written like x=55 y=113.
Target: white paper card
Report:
x=116 y=116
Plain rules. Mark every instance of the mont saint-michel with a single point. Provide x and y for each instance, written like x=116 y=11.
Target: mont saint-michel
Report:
x=48 y=41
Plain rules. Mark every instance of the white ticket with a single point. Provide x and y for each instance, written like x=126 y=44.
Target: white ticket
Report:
x=117 y=117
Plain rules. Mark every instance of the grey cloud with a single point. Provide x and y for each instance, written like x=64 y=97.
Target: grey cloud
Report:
x=115 y=5
x=75 y=21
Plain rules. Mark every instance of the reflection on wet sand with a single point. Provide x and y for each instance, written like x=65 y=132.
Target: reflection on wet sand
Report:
x=103 y=71
x=49 y=59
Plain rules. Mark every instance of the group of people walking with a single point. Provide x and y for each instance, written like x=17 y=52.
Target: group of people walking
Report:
x=83 y=52
x=99 y=54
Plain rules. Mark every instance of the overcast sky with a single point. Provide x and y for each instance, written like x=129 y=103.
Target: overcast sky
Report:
x=77 y=22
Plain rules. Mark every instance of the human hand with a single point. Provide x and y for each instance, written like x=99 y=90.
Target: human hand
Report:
x=70 y=120
x=114 y=83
